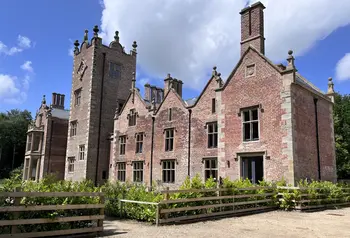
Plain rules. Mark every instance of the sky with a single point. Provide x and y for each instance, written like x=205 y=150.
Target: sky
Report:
x=183 y=37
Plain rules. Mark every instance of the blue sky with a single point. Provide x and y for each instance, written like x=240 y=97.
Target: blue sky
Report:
x=45 y=66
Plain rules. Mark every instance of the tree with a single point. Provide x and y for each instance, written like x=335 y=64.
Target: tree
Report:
x=13 y=128
x=342 y=134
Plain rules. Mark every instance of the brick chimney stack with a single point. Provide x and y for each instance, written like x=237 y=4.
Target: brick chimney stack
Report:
x=57 y=100
x=252 y=27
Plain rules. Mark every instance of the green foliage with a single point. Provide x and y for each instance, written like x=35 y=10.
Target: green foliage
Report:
x=13 y=129
x=342 y=134
x=50 y=184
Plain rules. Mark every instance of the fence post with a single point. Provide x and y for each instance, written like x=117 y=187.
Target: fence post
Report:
x=102 y=210
x=16 y=202
x=157 y=215
x=121 y=208
x=166 y=197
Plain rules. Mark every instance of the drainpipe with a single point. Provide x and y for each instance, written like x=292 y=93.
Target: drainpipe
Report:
x=317 y=140
x=189 y=144
x=152 y=144
x=48 y=161
x=99 y=120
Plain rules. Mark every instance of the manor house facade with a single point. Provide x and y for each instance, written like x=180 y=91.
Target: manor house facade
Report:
x=265 y=121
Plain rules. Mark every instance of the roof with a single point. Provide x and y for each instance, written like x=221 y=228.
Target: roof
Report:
x=305 y=82
x=60 y=113
x=191 y=101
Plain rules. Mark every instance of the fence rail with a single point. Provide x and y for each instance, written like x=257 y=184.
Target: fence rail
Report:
x=220 y=201
x=16 y=208
x=316 y=200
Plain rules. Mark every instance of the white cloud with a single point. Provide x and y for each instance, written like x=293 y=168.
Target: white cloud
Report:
x=142 y=81
x=23 y=43
x=27 y=66
x=186 y=38
x=342 y=69
x=10 y=90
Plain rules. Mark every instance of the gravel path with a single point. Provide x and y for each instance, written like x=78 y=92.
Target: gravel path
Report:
x=330 y=223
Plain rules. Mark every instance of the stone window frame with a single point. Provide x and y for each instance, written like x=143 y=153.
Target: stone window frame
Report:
x=29 y=142
x=132 y=117
x=168 y=139
x=169 y=171
x=211 y=169
x=81 y=154
x=139 y=139
x=73 y=128
x=77 y=97
x=71 y=162
x=139 y=170
x=251 y=121
x=213 y=105
x=247 y=67
x=122 y=144
x=211 y=135
x=170 y=114
x=112 y=76
x=121 y=171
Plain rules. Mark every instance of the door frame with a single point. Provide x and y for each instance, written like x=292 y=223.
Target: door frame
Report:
x=251 y=154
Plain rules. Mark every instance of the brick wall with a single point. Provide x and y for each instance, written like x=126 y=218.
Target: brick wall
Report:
x=305 y=161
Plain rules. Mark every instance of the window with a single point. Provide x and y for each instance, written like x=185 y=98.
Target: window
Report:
x=169 y=139
x=121 y=173
x=82 y=152
x=132 y=117
x=138 y=171
x=114 y=70
x=71 y=164
x=104 y=174
x=139 y=142
x=250 y=125
x=211 y=168
x=29 y=142
x=170 y=114
x=36 y=142
x=212 y=135
x=77 y=97
x=73 y=128
x=122 y=143
x=168 y=171
x=213 y=106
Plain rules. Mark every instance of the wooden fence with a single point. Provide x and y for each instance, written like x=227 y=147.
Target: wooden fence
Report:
x=206 y=203
x=305 y=200
x=16 y=208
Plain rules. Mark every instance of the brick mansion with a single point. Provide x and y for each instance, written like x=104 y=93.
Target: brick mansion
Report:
x=265 y=121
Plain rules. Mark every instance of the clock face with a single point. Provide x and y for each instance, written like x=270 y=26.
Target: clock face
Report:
x=81 y=69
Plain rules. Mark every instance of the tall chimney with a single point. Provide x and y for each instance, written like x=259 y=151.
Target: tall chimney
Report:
x=53 y=102
x=58 y=100
x=252 y=27
x=62 y=100
x=147 y=92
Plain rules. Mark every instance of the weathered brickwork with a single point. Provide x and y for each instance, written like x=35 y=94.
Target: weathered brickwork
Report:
x=263 y=117
x=101 y=92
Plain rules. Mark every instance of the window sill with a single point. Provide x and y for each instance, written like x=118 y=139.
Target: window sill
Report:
x=251 y=141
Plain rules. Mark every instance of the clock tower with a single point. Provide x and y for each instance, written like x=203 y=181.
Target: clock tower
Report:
x=101 y=79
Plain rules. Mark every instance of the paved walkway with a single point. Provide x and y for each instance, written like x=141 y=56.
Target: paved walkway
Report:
x=329 y=223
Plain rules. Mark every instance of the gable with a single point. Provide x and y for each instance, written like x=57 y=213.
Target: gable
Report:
x=252 y=65
x=134 y=102
x=171 y=99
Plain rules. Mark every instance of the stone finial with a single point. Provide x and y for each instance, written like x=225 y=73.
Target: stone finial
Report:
x=43 y=101
x=134 y=46
x=116 y=36
x=96 y=30
x=214 y=73
x=219 y=80
x=290 y=60
x=76 y=47
x=330 y=86
x=86 y=36
x=133 y=80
